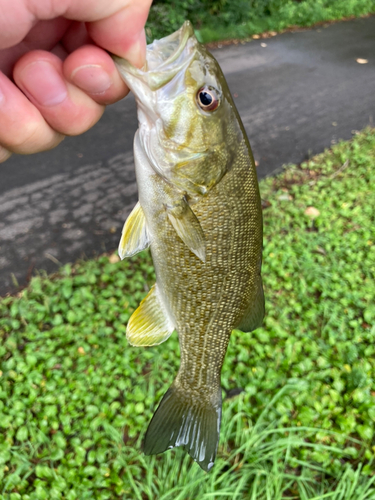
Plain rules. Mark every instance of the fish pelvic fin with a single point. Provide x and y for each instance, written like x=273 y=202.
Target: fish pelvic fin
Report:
x=182 y=421
x=149 y=324
x=134 y=237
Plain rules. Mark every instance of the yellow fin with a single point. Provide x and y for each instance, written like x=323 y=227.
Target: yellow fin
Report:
x=188 y=228
x=149 y=324
x=134 y=237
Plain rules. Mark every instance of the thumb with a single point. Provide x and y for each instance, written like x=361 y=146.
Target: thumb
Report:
x=123 y=32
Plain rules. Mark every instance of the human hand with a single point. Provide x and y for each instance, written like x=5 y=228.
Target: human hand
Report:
x=55 y=74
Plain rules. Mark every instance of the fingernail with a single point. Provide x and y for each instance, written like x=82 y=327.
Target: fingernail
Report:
x=44 y=83
x=91 y=78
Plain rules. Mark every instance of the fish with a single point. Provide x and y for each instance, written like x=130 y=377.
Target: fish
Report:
x=199 y=211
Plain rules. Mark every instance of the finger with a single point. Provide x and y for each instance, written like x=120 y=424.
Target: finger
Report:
x=93 y=70
x=76 y=36
x=123 y=32
x=44 y=35
x=116 y=26
x=19 y=26
x=4 y=154
x=66 y=108
x=22 y=128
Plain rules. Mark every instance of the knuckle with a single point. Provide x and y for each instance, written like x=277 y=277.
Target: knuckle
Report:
x=25 y=138
x=31 y=138
x=55 y=141
x=21 y=138
x=84 y=121
x=4 y=154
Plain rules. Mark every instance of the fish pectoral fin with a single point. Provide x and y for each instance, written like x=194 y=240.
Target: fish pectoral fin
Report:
x=188 y=228
x=149 y=324
x=254 y=315
x=134 y=237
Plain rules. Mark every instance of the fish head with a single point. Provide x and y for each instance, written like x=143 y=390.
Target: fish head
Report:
x=188 y=125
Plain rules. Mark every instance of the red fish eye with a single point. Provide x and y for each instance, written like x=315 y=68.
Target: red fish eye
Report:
x=207 y=99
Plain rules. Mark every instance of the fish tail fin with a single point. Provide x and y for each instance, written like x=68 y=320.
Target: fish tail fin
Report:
x=181 y=420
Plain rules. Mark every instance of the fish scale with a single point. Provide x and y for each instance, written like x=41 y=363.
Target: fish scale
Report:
x=199 y=209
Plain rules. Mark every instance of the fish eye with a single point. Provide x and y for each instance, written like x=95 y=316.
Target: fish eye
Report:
x=208 y=99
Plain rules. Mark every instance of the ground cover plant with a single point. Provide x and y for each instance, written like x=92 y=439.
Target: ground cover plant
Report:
x=235 y=19
x=299 y=417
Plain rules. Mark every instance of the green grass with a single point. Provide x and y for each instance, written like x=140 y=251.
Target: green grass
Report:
x=75 y=398
x=235 y=19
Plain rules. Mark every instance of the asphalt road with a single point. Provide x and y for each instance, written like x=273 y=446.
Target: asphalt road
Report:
x=297 y=93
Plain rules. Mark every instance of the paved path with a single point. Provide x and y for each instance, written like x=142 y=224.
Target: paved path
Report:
x=297 y=95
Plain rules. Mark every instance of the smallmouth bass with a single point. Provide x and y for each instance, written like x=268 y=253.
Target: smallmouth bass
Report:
x=199 y=210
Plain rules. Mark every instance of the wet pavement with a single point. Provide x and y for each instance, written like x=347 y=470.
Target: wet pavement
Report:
x=297 y=93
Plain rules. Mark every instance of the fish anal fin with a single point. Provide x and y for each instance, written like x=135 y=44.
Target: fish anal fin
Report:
x=253 y=317
x=134 y=237
x=149 y=324
x=183 y=421
x=188 y=228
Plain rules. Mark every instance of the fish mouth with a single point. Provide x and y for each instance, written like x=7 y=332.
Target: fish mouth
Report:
x=164 y=59
x=164 y=53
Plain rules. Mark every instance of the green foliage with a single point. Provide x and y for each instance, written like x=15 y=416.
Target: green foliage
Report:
x=225 y=19
x=75 y=398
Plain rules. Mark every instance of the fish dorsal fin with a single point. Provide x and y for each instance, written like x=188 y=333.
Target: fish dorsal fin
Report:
x=253 y=317
x=149 y=324
x=188 y=228
x=134 y=237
